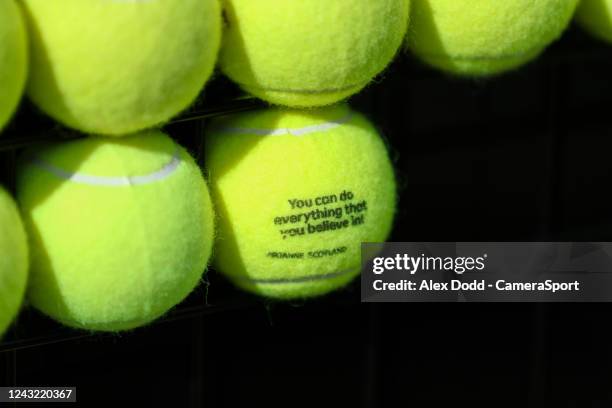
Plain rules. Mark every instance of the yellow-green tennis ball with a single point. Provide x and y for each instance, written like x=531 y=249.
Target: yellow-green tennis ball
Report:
x=13 y=260
x=595 y=16
x=297 y=192
x=13 y=58
x=485 y=37
x=120 y=229
x=119 y=66
x=310 y=52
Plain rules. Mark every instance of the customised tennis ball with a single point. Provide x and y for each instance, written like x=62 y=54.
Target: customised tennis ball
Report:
x=119 y=66
x=297 y=192
x=120 y=229
x=13 y=59
x=13 y=260
x=485 y=37
x=595 y=16
x=310 y=52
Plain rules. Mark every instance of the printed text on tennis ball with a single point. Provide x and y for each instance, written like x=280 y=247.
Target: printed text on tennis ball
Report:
x=315 y=215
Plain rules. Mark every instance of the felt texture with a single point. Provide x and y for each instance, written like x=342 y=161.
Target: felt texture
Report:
x=13 y=59
x=13 y=260
x=310 y=52
x=595 y=16
x=485 y=37
x=114 y=257
x=115 y=67
x=311 y=154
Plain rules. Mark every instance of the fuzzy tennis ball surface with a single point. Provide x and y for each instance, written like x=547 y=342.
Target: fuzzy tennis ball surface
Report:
x=13 y=260
x=119 y=66
x=595 y=16
x=485 y=37
x=310 y=52
x=13 y=58
x=120 y=229
x=296 y=193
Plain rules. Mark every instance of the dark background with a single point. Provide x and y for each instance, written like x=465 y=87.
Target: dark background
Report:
x=525 y=156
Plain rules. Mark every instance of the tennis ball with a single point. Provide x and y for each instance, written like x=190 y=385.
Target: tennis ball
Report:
x=485 y=37
x=13 y=59
x=13 y=260
x=310 y=52
x=595 y=16
x=296 y=193
x=120 y=229
x=119 y=66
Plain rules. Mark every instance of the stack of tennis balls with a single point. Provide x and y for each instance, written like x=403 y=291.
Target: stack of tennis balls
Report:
x=485 y=37
x=114 y=66
x=120 y=229
x=13 y=260
x=310 y=53
x=13 y=59
x=595 y=16
x=297 y=192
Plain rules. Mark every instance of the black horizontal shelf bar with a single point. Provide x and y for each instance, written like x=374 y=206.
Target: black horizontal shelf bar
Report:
x=12 y=142
x=235 y=106
x=66 y=334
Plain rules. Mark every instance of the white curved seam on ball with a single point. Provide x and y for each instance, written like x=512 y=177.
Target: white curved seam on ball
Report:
x=104 y=181
x=465 y=57
x=300 y=91
x=132 y=1
x=300 y=279
x=321 y=127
